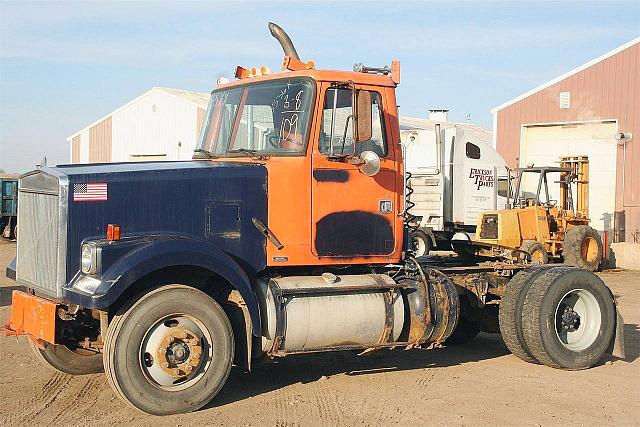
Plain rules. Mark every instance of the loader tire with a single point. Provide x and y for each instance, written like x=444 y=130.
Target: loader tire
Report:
x=568 y=318
x=67 y=361
x=582 y=248
x=510 y=314
x=536 y=250
x=170 y=351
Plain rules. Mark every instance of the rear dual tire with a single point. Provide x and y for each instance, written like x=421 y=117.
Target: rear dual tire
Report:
x=569 y=318
x=510 y=314
x=562 y=317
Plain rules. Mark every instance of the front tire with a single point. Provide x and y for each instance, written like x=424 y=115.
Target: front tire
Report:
x=536 y=251
x=170 y=351
x=67 y=361
x=568 y=318
x=421 y=243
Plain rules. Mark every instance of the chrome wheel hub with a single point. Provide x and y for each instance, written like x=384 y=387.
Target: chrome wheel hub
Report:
x=175 y=352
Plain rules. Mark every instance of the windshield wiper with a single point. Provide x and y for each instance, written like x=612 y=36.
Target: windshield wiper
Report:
x=199 y=153
x=246 y=151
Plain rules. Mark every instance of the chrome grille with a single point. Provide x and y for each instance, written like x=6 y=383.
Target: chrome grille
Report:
x=42 y=240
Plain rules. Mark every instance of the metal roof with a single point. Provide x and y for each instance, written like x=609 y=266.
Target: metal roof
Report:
x=567 y=74
x=477 y=132
x=199 y=99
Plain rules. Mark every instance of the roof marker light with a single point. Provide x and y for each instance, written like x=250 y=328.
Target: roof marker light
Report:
x=241 y=72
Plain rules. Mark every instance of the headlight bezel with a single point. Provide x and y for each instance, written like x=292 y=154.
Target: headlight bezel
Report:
x=90 y=258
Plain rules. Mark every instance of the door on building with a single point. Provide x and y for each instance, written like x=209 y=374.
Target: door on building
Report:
x=543 y=144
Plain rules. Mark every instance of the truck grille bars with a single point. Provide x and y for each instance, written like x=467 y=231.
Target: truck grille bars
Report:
x=42 y=244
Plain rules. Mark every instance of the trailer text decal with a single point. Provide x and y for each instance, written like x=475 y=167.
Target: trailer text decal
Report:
x=481 y=177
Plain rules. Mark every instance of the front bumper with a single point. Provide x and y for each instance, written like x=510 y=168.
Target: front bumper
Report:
x=33 y=316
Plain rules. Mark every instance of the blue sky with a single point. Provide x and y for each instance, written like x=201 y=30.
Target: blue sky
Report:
x=65 y=64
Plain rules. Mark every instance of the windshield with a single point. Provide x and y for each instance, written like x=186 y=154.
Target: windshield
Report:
x=270 y=118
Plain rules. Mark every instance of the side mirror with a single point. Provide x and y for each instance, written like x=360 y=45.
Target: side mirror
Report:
x=362 y=131
x=370 y=163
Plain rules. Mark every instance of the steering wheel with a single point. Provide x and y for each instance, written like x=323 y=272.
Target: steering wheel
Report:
x=276 y=142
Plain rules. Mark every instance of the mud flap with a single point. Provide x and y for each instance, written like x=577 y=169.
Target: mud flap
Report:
x=616 y=348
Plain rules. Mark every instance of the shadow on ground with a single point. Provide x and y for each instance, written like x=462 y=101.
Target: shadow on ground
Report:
x=5 y=294
x=308 y=368
x=631 y=342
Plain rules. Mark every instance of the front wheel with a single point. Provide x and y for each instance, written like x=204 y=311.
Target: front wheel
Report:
x=421 y=243
x=170 y=351
x=536 y=251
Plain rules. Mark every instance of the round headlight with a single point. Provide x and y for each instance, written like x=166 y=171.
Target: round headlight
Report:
x=87 y=259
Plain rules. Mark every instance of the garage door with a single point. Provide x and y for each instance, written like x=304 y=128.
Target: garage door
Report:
x=542 y=145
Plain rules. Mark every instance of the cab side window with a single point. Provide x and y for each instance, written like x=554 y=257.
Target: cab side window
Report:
x=342 y=125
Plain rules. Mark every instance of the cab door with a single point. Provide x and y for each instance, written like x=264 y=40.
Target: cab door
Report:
x=354 y=216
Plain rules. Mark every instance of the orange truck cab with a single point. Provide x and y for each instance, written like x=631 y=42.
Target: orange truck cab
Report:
x=300 y=124
x=285 y=234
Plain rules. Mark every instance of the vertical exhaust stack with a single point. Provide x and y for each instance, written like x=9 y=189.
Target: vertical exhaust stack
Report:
x=284 y=40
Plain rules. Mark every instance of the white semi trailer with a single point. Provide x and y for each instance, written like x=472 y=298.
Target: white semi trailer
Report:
x=454 y=176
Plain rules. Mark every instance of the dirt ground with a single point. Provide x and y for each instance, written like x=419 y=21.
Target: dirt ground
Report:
x=475 y=384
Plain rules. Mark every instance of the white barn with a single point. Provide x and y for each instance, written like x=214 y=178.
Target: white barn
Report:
x=160 y=124
x=164 y=124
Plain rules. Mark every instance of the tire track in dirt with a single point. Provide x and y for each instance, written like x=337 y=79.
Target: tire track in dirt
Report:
x=285 y=417
x=42 y=400
x=285 y=407
x=326 y=404
x=79 y=401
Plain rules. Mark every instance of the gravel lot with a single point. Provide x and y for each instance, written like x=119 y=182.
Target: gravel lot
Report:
x=478 y=383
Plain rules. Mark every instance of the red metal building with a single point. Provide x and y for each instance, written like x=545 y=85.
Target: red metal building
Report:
x=592 y=110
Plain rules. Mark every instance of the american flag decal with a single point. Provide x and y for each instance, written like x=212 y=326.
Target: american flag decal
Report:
x=95 y=191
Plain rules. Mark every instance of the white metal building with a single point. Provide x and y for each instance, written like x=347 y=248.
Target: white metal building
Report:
x=161 y=124
x=164 y=124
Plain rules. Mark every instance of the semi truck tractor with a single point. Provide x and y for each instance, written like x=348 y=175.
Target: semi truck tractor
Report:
x=287 y=234
x=452 y=177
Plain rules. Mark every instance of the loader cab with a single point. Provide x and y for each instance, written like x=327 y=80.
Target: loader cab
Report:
x=330 y=143
x=535 y=187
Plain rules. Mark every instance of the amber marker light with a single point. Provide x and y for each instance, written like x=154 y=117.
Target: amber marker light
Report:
x=242 y=72
x=113 y=232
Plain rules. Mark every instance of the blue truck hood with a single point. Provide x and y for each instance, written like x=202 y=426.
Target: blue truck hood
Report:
x=209 y=201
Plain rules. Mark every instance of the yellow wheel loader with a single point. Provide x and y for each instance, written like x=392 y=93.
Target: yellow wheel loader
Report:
x=543 y=228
